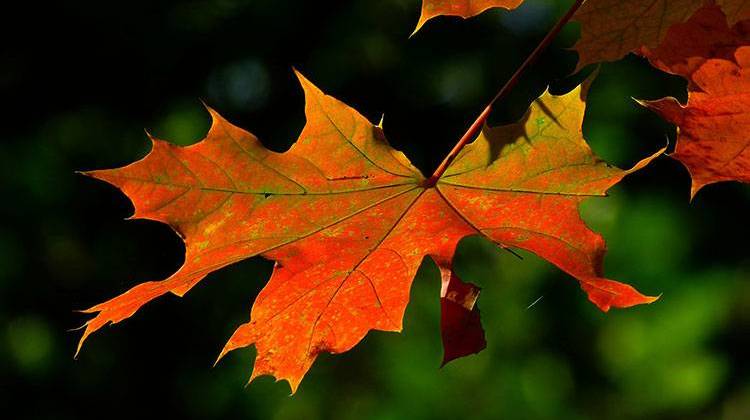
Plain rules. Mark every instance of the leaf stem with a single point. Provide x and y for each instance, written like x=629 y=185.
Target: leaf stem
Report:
x=510 y=84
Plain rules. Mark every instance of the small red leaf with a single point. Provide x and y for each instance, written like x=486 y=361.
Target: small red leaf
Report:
x=460 y=323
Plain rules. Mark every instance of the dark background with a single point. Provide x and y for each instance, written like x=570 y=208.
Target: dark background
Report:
x=80 y=81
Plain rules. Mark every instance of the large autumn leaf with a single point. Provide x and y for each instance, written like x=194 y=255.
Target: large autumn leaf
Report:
x=348 y=221
x=462 y=8
x=610 y=29
x=713 y=127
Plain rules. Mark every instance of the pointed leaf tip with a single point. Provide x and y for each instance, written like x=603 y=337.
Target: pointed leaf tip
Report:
x=460 y=8
x=605 y=294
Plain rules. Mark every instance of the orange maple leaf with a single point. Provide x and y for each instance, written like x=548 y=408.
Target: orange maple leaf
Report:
x=348 y=221
x=713 y=141
x=461 y=8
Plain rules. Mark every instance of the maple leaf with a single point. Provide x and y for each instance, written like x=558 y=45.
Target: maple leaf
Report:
x=348 y=221
x=461 y=8
x=713 y=141
x=610 y=29
x=689 y=45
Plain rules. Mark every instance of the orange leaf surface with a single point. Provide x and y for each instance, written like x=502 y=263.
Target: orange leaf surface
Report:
x=348 y=221
x=462 y=8
x=610 y=29
x=713 y=141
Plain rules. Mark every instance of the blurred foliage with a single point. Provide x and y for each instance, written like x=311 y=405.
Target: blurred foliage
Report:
x=85 y=77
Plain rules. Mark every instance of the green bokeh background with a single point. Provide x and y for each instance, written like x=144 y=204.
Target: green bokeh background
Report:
x=81 y=80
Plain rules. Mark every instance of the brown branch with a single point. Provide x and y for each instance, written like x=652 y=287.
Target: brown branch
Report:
x=510 y=84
